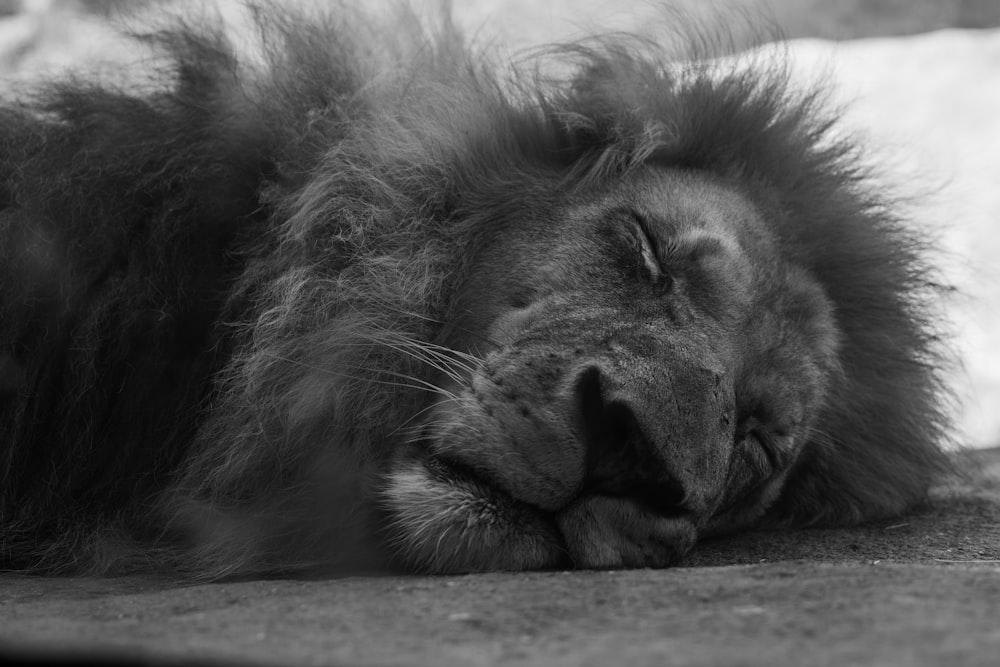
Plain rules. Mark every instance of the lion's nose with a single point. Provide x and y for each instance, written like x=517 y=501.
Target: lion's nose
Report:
x=622 y=460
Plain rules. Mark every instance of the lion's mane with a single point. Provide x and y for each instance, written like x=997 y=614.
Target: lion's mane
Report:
x=220 y=286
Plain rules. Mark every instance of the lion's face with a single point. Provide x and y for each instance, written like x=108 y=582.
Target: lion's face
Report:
x=644 y=368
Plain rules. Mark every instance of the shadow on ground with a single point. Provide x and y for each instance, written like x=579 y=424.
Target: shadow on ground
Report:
x=924 y=589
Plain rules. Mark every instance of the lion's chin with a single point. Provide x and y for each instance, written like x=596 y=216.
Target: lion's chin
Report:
x=613 y=532
x=446 y=520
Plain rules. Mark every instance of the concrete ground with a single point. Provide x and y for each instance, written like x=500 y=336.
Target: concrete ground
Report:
x=920 y=590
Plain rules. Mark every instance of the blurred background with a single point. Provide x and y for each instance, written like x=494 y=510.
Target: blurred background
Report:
x=918 y=82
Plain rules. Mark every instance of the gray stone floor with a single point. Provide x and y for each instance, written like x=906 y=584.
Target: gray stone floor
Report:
x=921 y=590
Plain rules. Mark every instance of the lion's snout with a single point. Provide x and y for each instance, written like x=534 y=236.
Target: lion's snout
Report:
x=659 y=440
x=619 y=468
x=655 y=448
x=621 y=458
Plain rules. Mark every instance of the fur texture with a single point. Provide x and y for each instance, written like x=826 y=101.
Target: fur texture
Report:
x=228 y=298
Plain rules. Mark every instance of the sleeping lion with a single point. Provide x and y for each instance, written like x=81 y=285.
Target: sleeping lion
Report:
x=362 y=299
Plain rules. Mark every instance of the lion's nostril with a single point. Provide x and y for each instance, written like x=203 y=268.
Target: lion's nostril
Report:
x=663 y=498
x=622 y=461
x=608 y=428
x=605 y=427
x=589 y=401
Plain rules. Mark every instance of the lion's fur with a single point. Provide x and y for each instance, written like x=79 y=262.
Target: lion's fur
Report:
x=219 y=293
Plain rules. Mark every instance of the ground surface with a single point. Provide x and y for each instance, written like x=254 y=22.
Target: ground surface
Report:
x=924 y=589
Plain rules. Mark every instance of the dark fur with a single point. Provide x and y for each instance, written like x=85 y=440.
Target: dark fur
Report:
x=178 y=265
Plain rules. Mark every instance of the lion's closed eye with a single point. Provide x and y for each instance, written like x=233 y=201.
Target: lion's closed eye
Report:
x=649 y=248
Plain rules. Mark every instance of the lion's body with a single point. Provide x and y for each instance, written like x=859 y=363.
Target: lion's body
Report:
x=343 y=308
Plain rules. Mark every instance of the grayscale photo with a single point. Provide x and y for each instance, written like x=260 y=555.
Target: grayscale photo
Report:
x=495 y=332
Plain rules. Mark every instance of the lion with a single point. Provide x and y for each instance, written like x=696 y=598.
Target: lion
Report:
x=368 y=300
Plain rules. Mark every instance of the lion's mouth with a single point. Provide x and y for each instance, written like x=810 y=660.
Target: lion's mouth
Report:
x=448 y=518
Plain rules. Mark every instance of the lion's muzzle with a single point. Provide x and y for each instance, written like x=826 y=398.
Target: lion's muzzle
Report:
x=600 y=478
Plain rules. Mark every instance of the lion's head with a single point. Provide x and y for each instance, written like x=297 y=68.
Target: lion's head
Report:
x=638 y=365
x=339 y=306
